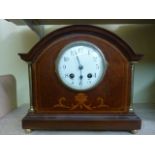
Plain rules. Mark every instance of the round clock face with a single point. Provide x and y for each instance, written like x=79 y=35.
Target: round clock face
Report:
x=81 y=65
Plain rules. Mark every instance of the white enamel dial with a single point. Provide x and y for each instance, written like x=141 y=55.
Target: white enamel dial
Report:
x=81 y=65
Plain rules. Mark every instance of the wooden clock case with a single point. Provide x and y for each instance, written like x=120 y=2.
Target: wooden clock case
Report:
x=108 y=106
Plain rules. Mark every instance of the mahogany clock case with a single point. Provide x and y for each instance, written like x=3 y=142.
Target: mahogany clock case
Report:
x=105 y=107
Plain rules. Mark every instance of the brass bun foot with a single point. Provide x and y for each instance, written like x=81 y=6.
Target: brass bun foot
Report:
x=134 y=131
x=28 y=131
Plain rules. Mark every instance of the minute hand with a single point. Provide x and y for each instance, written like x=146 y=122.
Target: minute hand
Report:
x=78 y=60
x=80 y=68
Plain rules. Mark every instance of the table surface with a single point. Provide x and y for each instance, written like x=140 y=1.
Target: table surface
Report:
x=10 y=124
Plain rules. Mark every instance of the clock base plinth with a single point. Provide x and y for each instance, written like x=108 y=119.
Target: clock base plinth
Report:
x=111 y=122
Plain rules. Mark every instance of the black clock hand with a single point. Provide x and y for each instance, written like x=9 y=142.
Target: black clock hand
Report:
x=80 y=68
x=78 y=60
x=81 y=77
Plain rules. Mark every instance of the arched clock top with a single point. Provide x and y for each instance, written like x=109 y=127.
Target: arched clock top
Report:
x=126 y=50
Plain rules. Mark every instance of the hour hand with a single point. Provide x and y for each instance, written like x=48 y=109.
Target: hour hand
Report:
x=80 y=68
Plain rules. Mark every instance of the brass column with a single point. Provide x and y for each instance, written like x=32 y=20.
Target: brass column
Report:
x=132 y=86
x=31 y=109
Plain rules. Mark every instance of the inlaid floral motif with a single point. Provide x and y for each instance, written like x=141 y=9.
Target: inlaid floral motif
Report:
x=61 y=103
x=81 y=101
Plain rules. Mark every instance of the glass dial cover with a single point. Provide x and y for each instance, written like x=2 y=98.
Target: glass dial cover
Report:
x=81 y=65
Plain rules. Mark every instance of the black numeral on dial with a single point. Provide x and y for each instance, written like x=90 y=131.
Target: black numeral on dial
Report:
x=66 y=75
x=64 y=67
x=97 y=66
x=66 y=59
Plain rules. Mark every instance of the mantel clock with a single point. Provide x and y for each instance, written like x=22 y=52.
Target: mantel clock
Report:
x=81 y=79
